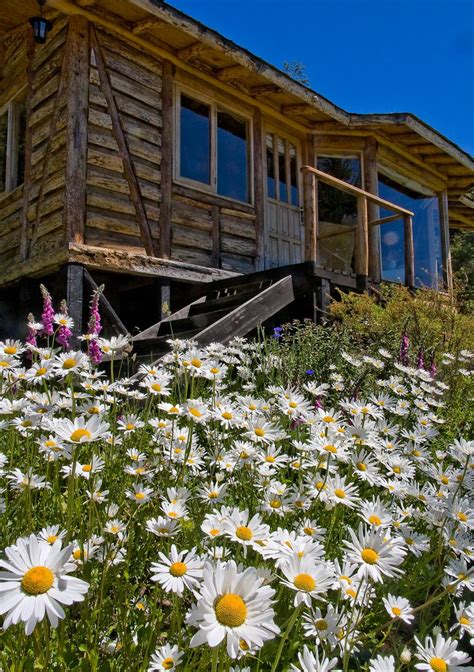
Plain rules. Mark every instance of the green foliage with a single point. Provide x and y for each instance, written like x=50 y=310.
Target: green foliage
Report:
x=297 y=71
x=462 y=259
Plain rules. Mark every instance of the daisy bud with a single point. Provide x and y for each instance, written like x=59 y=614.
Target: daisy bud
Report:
x=405 y=656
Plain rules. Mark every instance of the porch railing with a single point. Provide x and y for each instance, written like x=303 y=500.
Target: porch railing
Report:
x=311 y=178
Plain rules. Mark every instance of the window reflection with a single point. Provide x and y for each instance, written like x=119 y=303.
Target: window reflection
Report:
x=283 y=195
x=426 y=236
x=293 y=177
x=232 y=174
x=195 y=127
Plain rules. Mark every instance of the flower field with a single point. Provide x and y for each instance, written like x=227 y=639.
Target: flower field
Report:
x=217 y=513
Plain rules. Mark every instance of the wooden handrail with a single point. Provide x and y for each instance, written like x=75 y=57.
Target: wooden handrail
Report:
x=355 y=191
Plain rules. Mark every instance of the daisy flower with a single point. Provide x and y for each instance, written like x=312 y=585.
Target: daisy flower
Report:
x=246 y=532
x=308 y=578
x=310 y=662
x=181 y=570
x=382 y=664
x=441 y=655
x=140 y=494
x=234 y=606
x=398 y=607
x=36 y=583
x=464 y=618
x=165 y=658
x=162 y=527
x=375 y=555
x=79 y=430
x=50 y=534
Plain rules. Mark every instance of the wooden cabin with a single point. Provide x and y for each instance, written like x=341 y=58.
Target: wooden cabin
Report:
x=142 y=149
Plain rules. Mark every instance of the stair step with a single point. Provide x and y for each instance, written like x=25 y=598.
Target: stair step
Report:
x=161 y=342
x=221 y=302
x=199 y=321
x=257 y=286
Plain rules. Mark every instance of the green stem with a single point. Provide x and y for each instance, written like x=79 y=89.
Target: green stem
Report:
x=291 y=623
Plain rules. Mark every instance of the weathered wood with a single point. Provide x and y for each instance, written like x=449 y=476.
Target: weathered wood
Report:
x=115 y=321
x=362 y=239
x=310 y=216
x=166 y=160
x=128 y=168
x=384 y=220
x=75 y=298
x=77 y=69
x=445 y=248
x=190 y=52
x=371 y=185
x=24 y=233
x=259 y=188
x=409 y=251
x=216 y=237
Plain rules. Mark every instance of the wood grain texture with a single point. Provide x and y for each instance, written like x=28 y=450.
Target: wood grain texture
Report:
x=166 y=161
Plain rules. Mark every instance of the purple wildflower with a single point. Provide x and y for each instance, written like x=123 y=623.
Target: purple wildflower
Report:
x=420 y=360
x=404 y=349
x=432 y=368
x=64 y=333
x=95 y=327
x=47 y=316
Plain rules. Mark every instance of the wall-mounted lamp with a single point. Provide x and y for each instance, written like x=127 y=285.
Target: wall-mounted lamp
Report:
x=40 y=25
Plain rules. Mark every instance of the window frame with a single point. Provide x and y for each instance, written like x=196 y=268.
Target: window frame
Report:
x=215 y=106
x=343 y=154
x=11 y=107
x=288 y=139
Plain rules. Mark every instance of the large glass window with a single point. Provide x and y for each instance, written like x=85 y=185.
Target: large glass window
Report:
x=337 y=213
x=426 y=236
x=214 y=148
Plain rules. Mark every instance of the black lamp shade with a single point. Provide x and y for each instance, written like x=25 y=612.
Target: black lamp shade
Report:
x=40 y=28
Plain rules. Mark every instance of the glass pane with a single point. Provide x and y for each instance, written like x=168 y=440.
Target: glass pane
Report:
x=426 y=236
x=282 y=191
x=294 y=177
x=270 y=167
x=232 y=157
x=21 y=111
x=195 y=149
x=3 y=149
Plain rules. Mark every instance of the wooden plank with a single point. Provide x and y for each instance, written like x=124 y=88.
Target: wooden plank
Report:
x=369 y=160
x=107 y=308
x=74 y=298
x=166 y=160
x=77 y=94
x=310 y=203
x=362 y=239
x=24 y=233
x=445 y=247
x=216 y=237
x=259 y=188
x=409 y=251
x=128 y=168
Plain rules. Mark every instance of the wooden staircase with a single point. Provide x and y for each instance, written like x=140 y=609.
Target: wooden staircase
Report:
x=227 y=309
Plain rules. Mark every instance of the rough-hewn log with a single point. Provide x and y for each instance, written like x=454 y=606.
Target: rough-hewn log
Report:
x=24 y=234
x=128 y=167
x=371 y=184
x=75 y=297
x=362 y=239
x=166 y=159
x=77 y=94
x=409 y=251
x=259 y=189
x=310 y=202
x=216 y=237
x=445 y=247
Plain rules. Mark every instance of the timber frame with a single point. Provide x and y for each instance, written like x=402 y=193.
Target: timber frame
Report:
x=100 y=187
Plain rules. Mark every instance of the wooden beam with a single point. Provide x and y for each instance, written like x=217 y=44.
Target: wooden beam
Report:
x=259 y=188
x=24 y=233
x=384 y=220
x=296 y=110
x=445 y=247
x=115 y=321
x=188 y=53
x=409 y=251
x=264 y=89
x=230 y=73
x=77 y=99
x=166 y=159
x=128 y=168
x=369 y=160
x=310 y=202
x=144 y=25
x=216 y=236
x=75 y=298
x=362 y=239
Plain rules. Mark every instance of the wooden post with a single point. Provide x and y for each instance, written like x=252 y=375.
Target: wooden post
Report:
x=445 y=247
x=216 y=236
x=166 y=159
x=409 y=251
x=75 y=298
x=258 y=189
x=362 y=242
x=310 y=206
x=77 y=97
x=371 y=185
x=24 y=233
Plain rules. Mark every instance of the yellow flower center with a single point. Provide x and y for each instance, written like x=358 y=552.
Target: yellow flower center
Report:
x=252 y=407
x=213 y=495
x=51 y=539
x=173 y=409
x=195 y=412
x=94 y=410
x=139 y=495
x=196 y=363
x=375 y=520
x=10 y=350
x=178 y=569
x=340 y=493
x=78 y=434
x=462 y=516
x=214 y=532
x=321 y=624
x=259 y=432
x=397 y=470
x=464 y=620
x=130 y=425
x=139 y=470
x=328 y=418
x=304 y=582
x=438 y=665
x=346 y=578
x=309 y=531
x=214 y=370
x=293 y=404
x=275 y=503
x=3 y=363
x=227 y=416
x=444 y=480
x=361 y=466
x=140 y=606
x=41 y=371
x=351 y=592
x=270 y=458
x=396 y=611
x=168 y=664
x=244 y=533
x=243 y=646
x=369 y=556
x=230 y=610
x=156 y=387
x=77 y=554
x=114 y=529
x=69 y=363
x=37 y=580
x=244 y=455
x=330 y=448
x=87 y=468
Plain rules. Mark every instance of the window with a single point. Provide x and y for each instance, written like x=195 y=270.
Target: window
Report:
x=426 y=235
x=213 y=148
x=282 y=170
x=12 y=145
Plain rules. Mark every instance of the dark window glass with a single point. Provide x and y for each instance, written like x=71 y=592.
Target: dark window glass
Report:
x=270 y=168
x=283 y=195
x=293 y=177
x=3 y=149
x=195 y=141
x=426 y=236
x=21 y=111
x=232 y=163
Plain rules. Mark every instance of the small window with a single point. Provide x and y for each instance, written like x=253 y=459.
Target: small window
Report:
x=214 y=148
x=270 y=167
x=12 y=145
x=282 y=170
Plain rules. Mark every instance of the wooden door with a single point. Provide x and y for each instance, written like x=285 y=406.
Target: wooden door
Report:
x=284 y=228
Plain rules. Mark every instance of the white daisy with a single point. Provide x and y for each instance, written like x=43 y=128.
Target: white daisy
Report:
x=181 y=570
x=441 y=655
x=398 y=607
x=374 y=554
x=165 y=658
x=310 y=662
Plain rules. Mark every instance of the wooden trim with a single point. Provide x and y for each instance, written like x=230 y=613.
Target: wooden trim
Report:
x=77 y=97
x=409 y=251
x=310 y=205
x=259 y=153
x=445 y=246
x=128 y=168
x=384 y=220
x=362 y=238
x=75 y=298
x=369 y=162
x=167 y=136
x=216 y=236
x=24 y=234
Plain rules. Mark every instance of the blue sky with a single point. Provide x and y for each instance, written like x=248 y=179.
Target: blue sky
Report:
x=365 y=55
